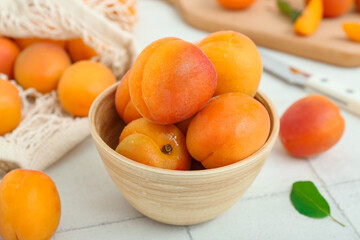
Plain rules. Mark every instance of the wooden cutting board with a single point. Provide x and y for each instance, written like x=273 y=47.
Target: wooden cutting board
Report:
x=268 y=27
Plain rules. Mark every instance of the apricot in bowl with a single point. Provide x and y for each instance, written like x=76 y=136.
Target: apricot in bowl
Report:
x=173 y=196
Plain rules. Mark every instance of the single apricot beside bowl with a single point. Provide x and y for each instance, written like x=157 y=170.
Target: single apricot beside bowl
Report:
x=235 y=4
x=171 y=80
x=81 y=83
x=229 y=128
x=30 y=206
x=161 y=146
x=311 y=126
x=237 y=61
x=10 y=107
x=8 y=54
x=352 y=30
x=25 y=42
x=78 y=50
x=123 y=103
x=40 y=66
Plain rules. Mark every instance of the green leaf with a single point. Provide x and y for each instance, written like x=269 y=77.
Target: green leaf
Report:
x=288 y=10
x=308 y=201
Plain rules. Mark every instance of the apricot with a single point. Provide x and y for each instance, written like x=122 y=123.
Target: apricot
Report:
x=235 y=4
x=8 y=54
x=352 y=30
x=25 y=42
x=358 y=5
x=171 y=80
x=10 y=107
x=229 y=128
x=78 y=50
x=335 y=8
x=236 y=59
x=123 y=103
x=161 y=146
x=40 y=66
x=81 y=83
x=311 y=126
x=309 y=20
x=30 y=206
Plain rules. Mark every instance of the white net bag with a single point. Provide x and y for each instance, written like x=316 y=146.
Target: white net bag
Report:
x=46 y=131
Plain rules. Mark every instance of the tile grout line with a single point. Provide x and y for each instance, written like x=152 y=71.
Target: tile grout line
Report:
x=98 y=225
x=333 y=199
x=188 y=232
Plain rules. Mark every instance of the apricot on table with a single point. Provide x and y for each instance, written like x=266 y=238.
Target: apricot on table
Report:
x=30 y=206
x=352 y=30
x=123 y=103
x=78 y=50
x=10 y=107
x=235 y=4
x=335 y=8
x=40 y=66
x=311 y=126
x=171 y=80
x=309 y=20
x=161 y=146
x=229 y=128
x=25 y=42
x=81 y=83
x=8 y=54
x=236 y=59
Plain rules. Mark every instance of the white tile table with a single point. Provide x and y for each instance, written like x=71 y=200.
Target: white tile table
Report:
x=92 y=207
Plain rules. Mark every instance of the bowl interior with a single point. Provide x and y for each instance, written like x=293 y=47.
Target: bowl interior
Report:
x=106 y=127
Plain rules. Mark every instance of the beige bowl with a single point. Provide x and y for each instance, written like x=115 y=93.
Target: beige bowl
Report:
x=170 y=196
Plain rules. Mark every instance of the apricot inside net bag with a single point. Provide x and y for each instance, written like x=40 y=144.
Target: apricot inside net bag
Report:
x=46 y=131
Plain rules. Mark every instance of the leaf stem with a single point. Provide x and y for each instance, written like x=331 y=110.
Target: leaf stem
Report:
x=341 y=224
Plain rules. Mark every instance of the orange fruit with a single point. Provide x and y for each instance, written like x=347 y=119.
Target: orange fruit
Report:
x=10 y=107
x=40 y=66
x=311 y=126
x=335 y=8
x=309 y=20
x=8 y=54
x=81 y=83
x=25 y=42
x=236 y=59
x=235 y=4
x=161 y=146
x=30 y=206
x=352 y=30
x=78 y=50
x=229 y=128
x=123 y=103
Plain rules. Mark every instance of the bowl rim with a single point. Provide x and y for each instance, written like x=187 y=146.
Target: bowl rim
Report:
x=275 y=125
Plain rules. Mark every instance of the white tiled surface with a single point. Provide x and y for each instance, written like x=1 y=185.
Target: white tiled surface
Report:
x=92 y=207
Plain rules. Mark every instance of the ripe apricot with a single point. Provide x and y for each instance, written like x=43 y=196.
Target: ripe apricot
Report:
x=25 y=42
x=8 y=54
x=335 y=8
x=352 y=30
x=10 y=107
x=229 y=128
x=171 y=80
x=311 y=126
x=123 y=103
x=78 y=50
x=40 y=66
x=309 y=20
x=236 y=59
x=235 y=4
x=161 y=146
x=81 y=83
x=30 y=206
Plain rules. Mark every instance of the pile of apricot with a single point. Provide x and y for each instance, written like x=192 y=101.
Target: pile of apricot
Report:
x=184 y=102
x=47 y=65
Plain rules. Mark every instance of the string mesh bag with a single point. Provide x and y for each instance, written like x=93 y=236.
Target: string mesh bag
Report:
x=47 y=131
